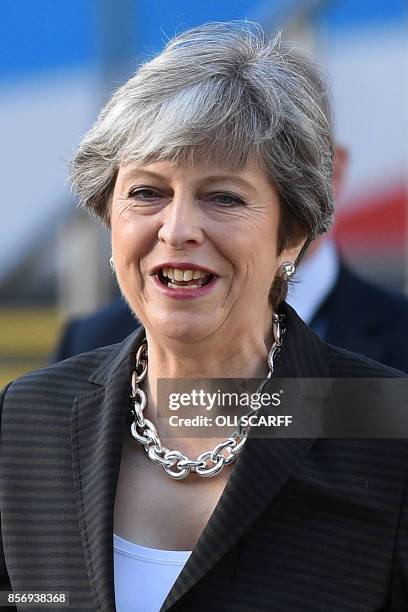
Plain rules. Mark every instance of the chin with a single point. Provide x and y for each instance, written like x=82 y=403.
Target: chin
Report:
x=182 y=328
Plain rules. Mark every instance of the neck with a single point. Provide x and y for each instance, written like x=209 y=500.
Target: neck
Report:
x=240 y=354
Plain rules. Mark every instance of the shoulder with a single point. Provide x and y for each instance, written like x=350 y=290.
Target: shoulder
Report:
x=366 y=400
x=63 y=380
x=381 y=301
x=343 y=363
x=311 y=357
x=77 y=374
x=367 y=319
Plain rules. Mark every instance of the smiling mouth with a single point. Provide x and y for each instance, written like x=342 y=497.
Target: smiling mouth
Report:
x=174 y=278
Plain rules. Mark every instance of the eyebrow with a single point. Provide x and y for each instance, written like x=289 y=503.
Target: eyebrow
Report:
x=230 y=177
x=132 y=173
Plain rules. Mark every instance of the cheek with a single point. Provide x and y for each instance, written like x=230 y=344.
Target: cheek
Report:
x=132 y=238
x=253 y=247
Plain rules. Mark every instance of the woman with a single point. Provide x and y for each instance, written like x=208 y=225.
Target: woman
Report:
x=212 y=167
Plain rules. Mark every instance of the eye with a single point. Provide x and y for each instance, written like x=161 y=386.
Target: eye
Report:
x=227 y=199
x=144 y=193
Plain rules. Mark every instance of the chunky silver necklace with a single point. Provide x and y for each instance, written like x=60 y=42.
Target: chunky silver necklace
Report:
x=175 y=463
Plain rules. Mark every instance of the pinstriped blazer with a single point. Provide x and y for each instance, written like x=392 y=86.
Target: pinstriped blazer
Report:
x=303 y=524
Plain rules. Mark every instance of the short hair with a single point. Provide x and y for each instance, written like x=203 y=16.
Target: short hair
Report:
x=221 y=92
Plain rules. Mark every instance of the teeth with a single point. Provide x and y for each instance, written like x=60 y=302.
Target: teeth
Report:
x=183 y=275
x=178 y=274
x=182 y=286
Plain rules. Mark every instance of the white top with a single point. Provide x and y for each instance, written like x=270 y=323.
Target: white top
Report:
x=314 y=280
x=144 y=576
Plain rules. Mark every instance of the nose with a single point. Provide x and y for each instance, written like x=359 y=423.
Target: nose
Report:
x=181 y=224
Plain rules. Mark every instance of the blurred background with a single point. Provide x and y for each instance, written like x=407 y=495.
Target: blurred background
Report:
x=60 y=61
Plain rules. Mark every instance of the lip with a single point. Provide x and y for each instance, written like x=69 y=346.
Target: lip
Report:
x=185 y=294
x=181 y=266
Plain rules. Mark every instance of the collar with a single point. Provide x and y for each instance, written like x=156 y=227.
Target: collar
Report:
x=314 y=281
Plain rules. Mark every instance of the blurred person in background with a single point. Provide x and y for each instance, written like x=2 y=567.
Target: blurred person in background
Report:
x=212 y=167
x=343 y=308
x=340 y=306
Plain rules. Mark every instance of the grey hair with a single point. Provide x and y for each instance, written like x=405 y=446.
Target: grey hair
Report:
x=221 y=92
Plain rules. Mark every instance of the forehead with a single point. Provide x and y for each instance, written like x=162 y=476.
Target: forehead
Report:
x=251 y=174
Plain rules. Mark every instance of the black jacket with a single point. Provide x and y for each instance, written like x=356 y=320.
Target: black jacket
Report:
x=302 y=525
x=364 y=318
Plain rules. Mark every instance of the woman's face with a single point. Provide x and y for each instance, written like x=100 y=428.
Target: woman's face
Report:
x=195 y=247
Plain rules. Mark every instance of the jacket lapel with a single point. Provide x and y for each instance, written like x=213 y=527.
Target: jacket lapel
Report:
x=264 y=466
